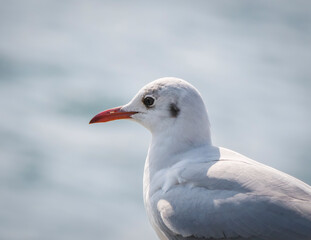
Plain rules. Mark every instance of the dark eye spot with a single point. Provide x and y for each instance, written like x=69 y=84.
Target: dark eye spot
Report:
x=174 y=110
x=148 y=101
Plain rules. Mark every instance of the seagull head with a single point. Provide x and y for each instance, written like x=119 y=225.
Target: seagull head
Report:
x=165 y=106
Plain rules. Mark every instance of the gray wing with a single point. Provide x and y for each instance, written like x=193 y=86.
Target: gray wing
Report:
x=234 y=199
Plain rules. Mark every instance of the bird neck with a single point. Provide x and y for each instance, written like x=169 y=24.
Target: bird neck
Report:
x=165 y=145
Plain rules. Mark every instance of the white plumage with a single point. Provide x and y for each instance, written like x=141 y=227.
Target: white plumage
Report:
x=194 y=190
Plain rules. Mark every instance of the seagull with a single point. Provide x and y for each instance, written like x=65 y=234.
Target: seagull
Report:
x=194 y=190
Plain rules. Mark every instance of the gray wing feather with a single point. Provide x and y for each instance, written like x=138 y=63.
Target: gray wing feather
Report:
x=230 y=199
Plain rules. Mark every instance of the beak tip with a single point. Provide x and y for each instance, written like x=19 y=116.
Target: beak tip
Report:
x=93 y=120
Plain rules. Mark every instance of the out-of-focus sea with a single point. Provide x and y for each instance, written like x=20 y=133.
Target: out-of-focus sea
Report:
x=62 y=62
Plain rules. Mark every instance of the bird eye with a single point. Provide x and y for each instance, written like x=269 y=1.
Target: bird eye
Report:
x=148 y=101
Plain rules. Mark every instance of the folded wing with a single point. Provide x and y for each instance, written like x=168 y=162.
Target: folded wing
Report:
x=233 y=198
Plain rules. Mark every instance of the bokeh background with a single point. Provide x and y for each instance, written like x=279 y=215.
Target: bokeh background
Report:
x=61 y=62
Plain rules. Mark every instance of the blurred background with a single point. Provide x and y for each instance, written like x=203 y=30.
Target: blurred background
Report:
x=62 y=62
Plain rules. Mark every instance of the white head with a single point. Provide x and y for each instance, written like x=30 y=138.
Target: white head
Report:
x=167 y=106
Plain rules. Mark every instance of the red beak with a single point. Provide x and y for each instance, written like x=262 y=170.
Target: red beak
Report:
x=111 y=115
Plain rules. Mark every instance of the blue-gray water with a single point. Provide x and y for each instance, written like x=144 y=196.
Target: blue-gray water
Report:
x=61 y=62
